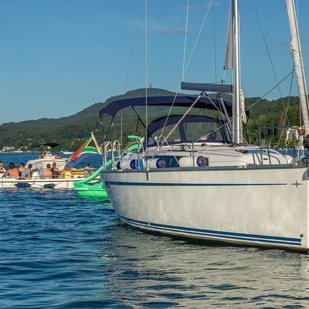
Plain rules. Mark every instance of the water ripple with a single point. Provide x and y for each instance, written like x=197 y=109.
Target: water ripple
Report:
x=61 y=251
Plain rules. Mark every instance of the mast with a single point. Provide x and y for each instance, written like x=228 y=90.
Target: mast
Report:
x=236 y=74
x=298 y=62
x=232 y=62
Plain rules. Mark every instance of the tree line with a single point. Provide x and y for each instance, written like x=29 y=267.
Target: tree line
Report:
x=72 y=132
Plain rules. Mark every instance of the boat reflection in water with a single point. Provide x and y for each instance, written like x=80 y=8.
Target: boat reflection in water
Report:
x=143 y=270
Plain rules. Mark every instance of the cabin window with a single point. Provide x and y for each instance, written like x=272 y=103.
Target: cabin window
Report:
x=173 y=138
x=202 y=131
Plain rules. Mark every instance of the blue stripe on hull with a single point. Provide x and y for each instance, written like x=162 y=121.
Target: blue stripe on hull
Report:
x=151 y=184
x=215 y=234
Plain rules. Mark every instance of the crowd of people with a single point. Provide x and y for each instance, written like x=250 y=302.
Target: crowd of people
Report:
x=26 y=172
x=51 y=171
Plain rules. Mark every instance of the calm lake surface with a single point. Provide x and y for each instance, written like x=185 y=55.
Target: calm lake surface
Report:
x=58 y=250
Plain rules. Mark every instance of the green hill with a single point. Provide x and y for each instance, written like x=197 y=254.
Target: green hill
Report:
x=91 y=111
x=71 y=131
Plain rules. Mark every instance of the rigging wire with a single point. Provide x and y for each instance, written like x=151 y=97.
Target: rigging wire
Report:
x=287 y=107
x=136 y=31
x=184 y=72
x=183 y=67
x=211 y=2
x=269 y=55
x=185 y=44
x=125 y=83
x=268 y=92
x=261 y=98
x=214 y=28
x=146 y=139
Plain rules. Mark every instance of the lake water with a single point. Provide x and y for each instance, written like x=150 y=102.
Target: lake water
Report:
x=58 y=250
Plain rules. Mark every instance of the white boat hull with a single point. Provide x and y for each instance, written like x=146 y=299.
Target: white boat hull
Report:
x=259 y=206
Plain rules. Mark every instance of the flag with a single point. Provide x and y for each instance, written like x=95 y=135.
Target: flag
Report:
x=90 y=147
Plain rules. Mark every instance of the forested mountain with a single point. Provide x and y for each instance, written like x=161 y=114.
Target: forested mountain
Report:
x=71 y=132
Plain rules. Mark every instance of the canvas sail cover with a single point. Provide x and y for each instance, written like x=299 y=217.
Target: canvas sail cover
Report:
x=228 y=65
x=298 y=62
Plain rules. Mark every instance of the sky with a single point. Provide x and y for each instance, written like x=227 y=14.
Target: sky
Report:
x=58 y=57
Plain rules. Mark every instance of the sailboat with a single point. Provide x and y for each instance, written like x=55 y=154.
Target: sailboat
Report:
x=194 y=177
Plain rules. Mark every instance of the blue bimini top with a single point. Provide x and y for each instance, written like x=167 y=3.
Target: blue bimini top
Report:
x=184 y=101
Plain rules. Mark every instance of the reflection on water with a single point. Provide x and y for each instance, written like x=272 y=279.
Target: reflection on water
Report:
x=155 y=271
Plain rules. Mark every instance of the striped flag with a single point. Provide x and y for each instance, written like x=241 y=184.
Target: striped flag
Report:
x=90 y=147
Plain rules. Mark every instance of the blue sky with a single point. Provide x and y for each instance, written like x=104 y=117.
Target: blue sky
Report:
x=58 y=57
